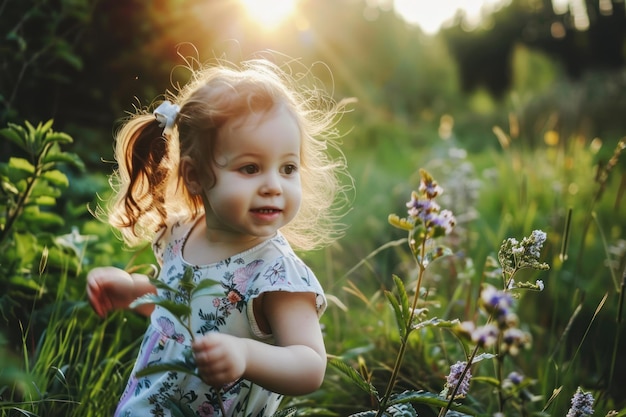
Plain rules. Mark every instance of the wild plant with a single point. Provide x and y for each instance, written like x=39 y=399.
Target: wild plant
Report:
x=30 y=185
x=55 y=355
x=487 y=342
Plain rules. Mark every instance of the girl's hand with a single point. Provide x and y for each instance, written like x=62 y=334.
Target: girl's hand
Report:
x=293 y=365
x=220 y=358
x=110 y=288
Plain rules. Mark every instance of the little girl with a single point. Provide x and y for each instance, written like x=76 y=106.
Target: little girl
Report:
x=220 y=179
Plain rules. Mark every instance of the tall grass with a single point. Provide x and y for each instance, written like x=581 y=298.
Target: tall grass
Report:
x=77 y=366
x=57 y=358
x=561 y=187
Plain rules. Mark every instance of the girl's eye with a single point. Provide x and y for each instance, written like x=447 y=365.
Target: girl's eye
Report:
x=290 y=169
x=249 y=169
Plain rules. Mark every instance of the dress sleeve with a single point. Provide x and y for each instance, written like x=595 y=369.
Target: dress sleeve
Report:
x=286 y=273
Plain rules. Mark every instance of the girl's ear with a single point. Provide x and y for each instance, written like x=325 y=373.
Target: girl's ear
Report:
x=191 y=176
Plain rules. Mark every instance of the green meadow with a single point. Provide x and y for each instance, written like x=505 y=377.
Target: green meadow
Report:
x=407 y=299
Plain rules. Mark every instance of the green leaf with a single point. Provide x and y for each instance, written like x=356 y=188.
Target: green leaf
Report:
x=57 y=178
x=43 y=188
x=177 y=309
x=32 y=216
x=206 y=287
x=401 y=410
x=26 y=246
x=483 y=356
x=354 y=376
x=186 y=282
x=163 y=286
x=43 y=129
x=63 y=157
x=435 y=322
x=26 y=283
x=404 y=298
x=400 y=321
x=21 y=164
x=163 y=367
x=400 y=223
x=494 y=382
x=72 y=59
x=57 y=137
x=9 y=188
x=13 y=134
x=431 y=399
x=45 y=200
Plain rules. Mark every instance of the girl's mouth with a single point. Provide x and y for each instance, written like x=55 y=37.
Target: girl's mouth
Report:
x=266 y=210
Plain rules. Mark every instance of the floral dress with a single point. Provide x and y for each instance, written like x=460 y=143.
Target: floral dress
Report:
x=269 y=266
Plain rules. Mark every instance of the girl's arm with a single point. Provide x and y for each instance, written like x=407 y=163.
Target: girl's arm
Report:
x=294 y=366
x=110 y=288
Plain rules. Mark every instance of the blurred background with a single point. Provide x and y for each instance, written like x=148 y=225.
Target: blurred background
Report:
x=516 y=107
x=558 y=66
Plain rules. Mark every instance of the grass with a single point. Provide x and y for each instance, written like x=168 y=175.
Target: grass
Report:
x=77 y=365
x=575 y=322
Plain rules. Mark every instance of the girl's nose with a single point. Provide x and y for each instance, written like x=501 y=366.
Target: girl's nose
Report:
x=271 y=185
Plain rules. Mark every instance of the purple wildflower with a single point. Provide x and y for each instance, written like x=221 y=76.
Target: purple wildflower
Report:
x=514 y=339
x=485 y=336
x=454 y=379
x=582 y=404
x=425 y=217
x=498 y=302
x=429 y=186
x=515 y=378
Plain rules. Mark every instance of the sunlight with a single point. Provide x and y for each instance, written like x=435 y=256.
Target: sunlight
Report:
x=430 y=16
x=269 y=13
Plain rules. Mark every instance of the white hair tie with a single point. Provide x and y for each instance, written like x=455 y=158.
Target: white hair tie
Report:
x=166 y=116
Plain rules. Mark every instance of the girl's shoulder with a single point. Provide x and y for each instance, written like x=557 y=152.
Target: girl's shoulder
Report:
x=279 y=268
x=275 y=248
x=268 y=256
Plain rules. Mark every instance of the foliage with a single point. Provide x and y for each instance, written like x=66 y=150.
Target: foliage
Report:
x=512 y=196
x=39 y=47
x=29 y=189
x=548 y=173
x=434 y=339
x=537 y=25
x=425 y=223
x=55 y=355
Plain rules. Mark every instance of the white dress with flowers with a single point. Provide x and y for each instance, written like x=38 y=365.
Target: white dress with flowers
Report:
x=269 y=266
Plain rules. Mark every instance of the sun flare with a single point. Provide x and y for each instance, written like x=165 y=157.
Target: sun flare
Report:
x=269 y=13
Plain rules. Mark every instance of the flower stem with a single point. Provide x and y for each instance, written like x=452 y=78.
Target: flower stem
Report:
x=404 y=340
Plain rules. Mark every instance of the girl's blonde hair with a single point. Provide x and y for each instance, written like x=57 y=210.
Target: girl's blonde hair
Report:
x=148 y=188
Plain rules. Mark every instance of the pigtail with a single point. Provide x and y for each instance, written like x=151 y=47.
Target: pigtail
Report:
x=143 y=156
x=147 y=150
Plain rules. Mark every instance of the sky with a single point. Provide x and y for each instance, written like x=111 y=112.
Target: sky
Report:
x=430 y=15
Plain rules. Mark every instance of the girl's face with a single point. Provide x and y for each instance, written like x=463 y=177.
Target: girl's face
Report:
x=257 y=177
